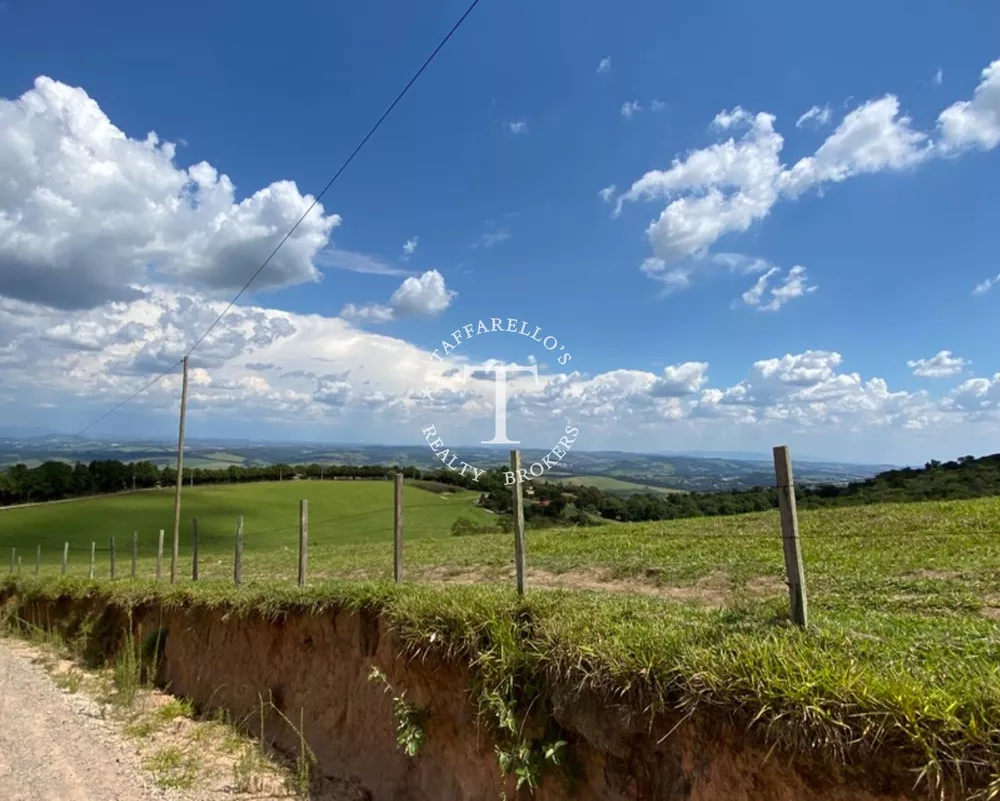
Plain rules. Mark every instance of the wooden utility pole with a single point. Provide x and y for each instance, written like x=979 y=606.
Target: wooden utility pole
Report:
x=790 y=536
x=65 y=557
x=38 y=558
x=397 y=527
x=159 y=555
x=135 y=550
x=517 y=489
x=180 y=476
x=93 y=549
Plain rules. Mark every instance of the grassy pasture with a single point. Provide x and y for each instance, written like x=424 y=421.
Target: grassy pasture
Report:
x=340 y=513
x=617 y=485
x=902 y=652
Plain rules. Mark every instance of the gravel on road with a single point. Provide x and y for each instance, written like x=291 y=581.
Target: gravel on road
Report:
x=55 y=746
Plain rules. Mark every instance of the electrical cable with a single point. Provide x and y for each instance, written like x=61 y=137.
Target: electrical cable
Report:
x=294 y=228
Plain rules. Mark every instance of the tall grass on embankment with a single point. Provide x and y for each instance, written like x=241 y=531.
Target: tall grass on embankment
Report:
x=917 y=686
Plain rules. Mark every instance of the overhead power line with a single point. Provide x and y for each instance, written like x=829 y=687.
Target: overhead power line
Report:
x=294 y=228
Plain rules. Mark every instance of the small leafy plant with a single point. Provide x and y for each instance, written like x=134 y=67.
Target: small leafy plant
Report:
x=410 y=718
x=527 y=758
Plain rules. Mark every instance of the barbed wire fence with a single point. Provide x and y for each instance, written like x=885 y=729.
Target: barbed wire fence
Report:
x=345 y=549
x=138 y=556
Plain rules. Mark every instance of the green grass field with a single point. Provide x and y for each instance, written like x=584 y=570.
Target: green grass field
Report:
x=340 y=513
x=609 y=484
x=902 y=652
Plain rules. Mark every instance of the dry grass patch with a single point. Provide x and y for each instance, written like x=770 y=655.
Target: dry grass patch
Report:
x=713 y=591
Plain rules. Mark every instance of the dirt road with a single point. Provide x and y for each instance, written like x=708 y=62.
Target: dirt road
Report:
x=54 y=746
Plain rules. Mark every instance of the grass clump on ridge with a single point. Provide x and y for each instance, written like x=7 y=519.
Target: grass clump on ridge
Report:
x=856 y=683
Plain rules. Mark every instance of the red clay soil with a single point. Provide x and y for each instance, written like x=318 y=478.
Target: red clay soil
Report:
x=319 y=665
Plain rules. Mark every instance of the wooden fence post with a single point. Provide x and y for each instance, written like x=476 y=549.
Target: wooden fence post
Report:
x=159 y=555
x=65 y=557
x=194 y=549
x=397 y=527
x=790 y=535
x=518 y=489
x=238 y=561
x=19 y=567
x=13 y=559
x=93 y=550
x=135 y=551
x=113 y=554
x=38 y=558
x=303 y=540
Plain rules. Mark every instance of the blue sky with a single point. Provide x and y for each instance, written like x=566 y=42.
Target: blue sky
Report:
x=494 y=163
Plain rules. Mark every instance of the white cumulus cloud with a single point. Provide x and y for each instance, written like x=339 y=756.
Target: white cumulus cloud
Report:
x=426 y=296
x=728 y=186
x=88 y=213
x=605 y=65
x=795 y=285
x=943 y=365
x=630 y=108
x=975 y=122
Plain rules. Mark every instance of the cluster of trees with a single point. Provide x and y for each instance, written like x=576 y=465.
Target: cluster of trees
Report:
x=546 y=503
x=966 y=477
x=53 y=481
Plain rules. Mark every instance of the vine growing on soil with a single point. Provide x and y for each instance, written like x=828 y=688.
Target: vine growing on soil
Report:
x=410 y=719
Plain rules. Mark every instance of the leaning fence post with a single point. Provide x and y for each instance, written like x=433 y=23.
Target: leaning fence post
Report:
x=194 y=547
x=159 y=555
x=397 y=527
x=38 y=558
x=790 y=535
x=303 y=540
x=238 y=560
x=135 y=551
x=113 y=557
x=93 y=549
x=65 y=557
x=517 y=489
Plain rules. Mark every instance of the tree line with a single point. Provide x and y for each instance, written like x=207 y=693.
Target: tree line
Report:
x=53 y=481
x=964 y=478
x=545 y=502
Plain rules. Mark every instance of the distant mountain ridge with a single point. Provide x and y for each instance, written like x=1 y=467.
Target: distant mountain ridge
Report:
x=706 y=471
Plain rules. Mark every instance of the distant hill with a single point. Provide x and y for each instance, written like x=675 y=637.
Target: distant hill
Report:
x=20 y=432
x=686 y=473
x=962 y=479
x=753 y=456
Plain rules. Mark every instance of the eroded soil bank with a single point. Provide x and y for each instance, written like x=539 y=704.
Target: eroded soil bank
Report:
x=316 y=669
